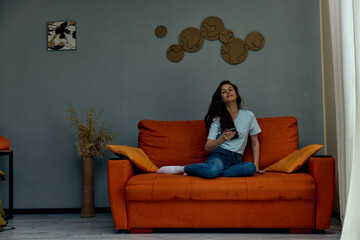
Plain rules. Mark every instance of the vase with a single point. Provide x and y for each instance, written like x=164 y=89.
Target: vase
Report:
x=87 y=188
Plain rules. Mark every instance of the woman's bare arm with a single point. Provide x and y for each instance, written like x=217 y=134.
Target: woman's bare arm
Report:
x=256 y=152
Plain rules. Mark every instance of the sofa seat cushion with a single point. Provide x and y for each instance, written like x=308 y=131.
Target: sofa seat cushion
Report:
x=268 y=186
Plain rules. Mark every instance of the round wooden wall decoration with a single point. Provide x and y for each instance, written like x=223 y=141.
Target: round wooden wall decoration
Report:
x=191 y=40
x=175 y=53
x=211 y=28
x=226 y=36
x=255 y=41
x=234 y=52
x=160 y=31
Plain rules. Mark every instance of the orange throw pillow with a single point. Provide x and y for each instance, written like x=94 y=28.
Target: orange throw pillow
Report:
x=136 y=156
x=294 y=160
x=4 y=143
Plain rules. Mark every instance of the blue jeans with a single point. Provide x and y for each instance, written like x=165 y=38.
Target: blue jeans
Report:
x=221 y=163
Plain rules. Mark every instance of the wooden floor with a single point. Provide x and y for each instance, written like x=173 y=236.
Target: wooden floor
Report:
x=71 y=226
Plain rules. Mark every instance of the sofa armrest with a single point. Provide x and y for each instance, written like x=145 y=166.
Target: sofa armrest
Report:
x=323 y=171
x=119 y=171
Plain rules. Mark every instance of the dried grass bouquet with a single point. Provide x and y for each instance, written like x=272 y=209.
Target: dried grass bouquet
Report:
x=92 y=138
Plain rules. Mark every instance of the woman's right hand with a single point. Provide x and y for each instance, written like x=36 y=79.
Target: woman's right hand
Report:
x=211 y=145
x=228 y=135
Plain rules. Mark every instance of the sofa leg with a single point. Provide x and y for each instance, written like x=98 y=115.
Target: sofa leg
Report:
x=141 y=230
x=300 y=231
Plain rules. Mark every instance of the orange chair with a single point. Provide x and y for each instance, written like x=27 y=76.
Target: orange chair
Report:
x=5 y=150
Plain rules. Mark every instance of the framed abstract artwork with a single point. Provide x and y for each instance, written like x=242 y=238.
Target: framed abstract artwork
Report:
x=62 y=35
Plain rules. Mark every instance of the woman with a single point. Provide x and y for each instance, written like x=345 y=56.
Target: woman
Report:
x=229 y=128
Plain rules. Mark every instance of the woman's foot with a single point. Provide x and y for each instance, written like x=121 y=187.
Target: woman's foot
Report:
x=171 y=170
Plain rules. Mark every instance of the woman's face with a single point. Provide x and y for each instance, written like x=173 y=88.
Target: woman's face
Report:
x=228 y=93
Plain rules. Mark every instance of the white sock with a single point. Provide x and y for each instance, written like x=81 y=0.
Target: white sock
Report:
x=171 y=170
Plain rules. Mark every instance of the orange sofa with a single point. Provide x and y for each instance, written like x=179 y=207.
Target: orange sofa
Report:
x=143 y=201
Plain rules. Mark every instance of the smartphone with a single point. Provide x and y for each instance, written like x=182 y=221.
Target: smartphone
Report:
x=233 y=130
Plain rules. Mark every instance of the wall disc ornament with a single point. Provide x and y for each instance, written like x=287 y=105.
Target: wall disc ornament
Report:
x=191 y=40
x=160 y=31
x=175 y=53
x=255 y=41
x=234 y=52
x=211 y=28
x=226 y=36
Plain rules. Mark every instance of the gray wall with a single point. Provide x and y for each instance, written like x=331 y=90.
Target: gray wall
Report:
x=119 y=64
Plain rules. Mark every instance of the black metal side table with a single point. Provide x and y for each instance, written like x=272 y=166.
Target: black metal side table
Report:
x=11 y=183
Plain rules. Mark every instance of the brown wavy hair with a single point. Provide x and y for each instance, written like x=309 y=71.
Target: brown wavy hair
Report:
x=218 y=109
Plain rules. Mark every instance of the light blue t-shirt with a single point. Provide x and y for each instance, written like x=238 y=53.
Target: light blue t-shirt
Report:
x=245 y=124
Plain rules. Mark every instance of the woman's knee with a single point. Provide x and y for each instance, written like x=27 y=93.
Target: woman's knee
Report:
x=210 y=169
x=245 y=169
x=214 y=170
x=249 y=168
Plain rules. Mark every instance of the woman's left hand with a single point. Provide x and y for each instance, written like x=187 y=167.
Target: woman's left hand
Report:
x=260 y=171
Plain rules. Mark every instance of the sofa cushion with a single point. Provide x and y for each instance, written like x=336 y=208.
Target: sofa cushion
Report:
x=278 y=138
x=268 y=186
x=135 y=155
x=294 y=160
x=173 y=142
x=4 y=143
x=183 y=142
